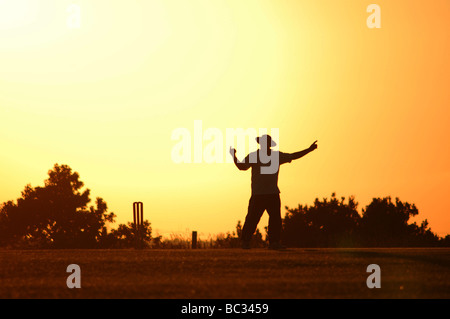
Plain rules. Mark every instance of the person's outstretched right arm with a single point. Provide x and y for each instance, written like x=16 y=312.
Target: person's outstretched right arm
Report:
x=243 y=166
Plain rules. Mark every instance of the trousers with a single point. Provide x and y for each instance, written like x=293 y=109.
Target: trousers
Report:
x=256 y=207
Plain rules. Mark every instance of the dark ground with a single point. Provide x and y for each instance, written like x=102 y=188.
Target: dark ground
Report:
x=226 y=273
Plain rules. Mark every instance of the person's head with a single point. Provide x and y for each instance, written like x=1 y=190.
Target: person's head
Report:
x=266 y=156
x=266 y=141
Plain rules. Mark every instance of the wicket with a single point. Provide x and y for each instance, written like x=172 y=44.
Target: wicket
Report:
x=138 y=220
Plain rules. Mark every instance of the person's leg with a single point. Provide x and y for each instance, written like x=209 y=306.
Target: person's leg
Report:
x=274 y=210
x=255 y=210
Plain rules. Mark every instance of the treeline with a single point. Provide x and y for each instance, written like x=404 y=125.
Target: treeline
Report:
x=58 y=215
x=337 y=223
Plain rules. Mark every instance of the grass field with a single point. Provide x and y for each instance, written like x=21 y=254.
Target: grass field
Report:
x=226 y=273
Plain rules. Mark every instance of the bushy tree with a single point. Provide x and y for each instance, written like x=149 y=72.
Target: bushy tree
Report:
x=385 y=223
x=328 y=223
x=54 y=216
x=125 y=236
x=337 y=223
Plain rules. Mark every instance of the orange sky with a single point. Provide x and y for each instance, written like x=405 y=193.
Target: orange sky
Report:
x=105 y=99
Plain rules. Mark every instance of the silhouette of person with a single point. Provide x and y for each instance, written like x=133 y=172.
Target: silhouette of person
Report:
x=265 y=192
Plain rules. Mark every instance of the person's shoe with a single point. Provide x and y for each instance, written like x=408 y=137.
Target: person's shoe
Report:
x=276 y=246
x=245 y=245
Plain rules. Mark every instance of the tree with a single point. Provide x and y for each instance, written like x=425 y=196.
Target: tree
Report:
x=125 y=235
x=385 y=223
x=328 y=223
x=337 y=223
x=296 y=229
x=54 y=216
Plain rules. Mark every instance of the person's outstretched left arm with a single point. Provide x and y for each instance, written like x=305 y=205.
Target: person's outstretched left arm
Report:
x=297 y=155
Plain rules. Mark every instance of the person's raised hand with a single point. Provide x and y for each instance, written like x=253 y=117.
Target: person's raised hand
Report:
x=313 y=146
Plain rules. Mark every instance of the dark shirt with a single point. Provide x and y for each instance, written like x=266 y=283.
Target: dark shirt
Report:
x=265 y=170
